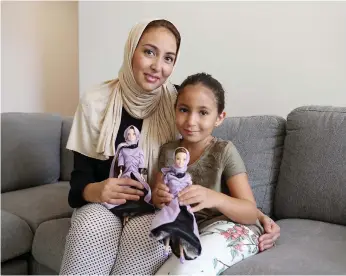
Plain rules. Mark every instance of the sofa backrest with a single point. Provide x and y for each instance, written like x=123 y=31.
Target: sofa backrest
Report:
x=66 y=162
x=30 y=150
x=312 y=180
x=259 y=140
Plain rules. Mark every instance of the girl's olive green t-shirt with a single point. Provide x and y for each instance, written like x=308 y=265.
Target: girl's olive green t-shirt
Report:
x=219 y=162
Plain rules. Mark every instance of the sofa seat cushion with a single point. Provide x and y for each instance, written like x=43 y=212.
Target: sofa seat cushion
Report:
x=49 y=243
x=16 y=236
x=304 y=247
x=15 y=267
x=38 y=204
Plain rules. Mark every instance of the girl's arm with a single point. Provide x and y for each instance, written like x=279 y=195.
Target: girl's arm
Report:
x=241 y=206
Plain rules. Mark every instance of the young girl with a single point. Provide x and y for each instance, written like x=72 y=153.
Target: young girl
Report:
x=225 y=211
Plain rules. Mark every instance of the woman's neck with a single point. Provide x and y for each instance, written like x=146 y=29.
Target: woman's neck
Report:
x=196 y=149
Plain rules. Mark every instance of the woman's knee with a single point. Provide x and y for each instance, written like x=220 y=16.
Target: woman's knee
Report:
x=141 y=223
x=94 y=218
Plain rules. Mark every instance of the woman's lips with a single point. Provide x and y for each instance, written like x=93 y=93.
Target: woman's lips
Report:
x=151 y=78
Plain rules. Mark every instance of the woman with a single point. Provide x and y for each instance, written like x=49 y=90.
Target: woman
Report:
x=142 y=96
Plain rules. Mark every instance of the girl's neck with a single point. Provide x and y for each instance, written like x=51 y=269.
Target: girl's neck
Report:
x=196 y=149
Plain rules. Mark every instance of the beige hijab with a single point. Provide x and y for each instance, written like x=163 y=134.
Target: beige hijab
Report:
x=97 y=119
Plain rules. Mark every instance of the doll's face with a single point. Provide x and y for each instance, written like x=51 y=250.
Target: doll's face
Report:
x=180 y=159
x=131 y=135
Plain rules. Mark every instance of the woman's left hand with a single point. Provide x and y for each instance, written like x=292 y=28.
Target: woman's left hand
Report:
x=272 y=233
x=196 y=194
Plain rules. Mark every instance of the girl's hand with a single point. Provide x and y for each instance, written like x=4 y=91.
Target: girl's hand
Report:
x=113 y=191
x=272 y=233
x=196 y=194
x=161 y=195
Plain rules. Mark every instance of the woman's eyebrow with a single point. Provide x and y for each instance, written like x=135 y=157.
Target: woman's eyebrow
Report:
x=157 y=49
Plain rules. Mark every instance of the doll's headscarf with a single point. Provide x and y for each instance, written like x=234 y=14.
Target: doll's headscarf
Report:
x=125 y=144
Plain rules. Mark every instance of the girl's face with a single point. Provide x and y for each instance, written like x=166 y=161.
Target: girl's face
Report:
x=131 y=135
x=196 y=113
x=154 y=58
x=180 y=159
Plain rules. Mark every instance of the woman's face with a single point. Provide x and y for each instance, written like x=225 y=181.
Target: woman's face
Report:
x=154 y=58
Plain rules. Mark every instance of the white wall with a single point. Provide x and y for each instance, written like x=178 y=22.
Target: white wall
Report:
x=39 y=57
x=271 y=57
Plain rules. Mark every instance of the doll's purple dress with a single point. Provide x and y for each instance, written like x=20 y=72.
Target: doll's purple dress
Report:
x=175 y=221
x=131 y=158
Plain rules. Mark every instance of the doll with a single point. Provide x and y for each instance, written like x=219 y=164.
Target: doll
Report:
x=130 y=160
x=175 y=225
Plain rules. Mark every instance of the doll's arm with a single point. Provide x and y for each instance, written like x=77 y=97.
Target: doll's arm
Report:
x=121 y=162
x=121 y=158
x=189 y=180
x=141 y=159
x=143 y=171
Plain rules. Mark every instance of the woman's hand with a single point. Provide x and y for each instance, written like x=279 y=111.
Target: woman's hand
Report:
x=272 y=232
x=113 y=191
x=196 y=194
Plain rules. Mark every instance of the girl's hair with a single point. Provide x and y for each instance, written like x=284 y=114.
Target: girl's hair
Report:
x=165 y=24
x=208 y=81
x=180 y=150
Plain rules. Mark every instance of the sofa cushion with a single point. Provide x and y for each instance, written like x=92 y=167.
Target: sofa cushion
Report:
x=30 y=150
x=259 y=140
x=38 y=204
x=312 y=180
x=304 y=247
x=66 y=162
x=16 y=236
x=49 y=243
x=39 y=269
x=15 y=267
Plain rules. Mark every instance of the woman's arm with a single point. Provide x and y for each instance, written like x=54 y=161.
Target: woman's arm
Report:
x=81 y=176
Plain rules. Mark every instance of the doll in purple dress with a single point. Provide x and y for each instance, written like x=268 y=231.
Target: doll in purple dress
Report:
x=130 y=160
x=175 y=225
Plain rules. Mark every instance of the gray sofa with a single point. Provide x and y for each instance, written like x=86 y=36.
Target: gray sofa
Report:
x=297 y=169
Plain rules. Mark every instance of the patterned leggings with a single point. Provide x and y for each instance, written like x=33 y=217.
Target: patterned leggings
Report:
x=98 y=244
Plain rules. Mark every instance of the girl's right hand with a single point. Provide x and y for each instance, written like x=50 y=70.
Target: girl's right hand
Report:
x=161 y=195
x=113 y=191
